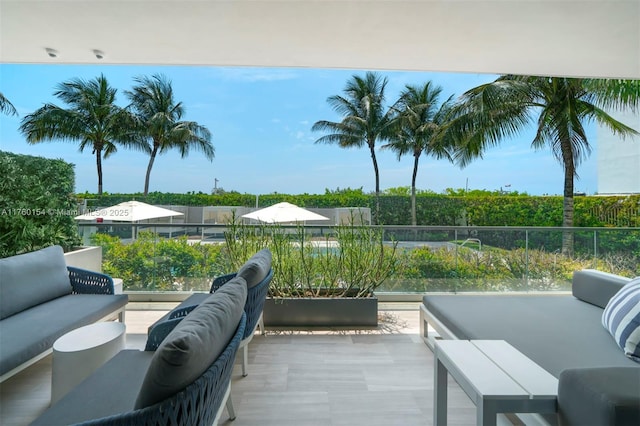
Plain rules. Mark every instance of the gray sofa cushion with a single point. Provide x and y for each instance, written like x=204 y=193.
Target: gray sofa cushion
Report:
x=30 y=279
x=194 y=344
x=555 y=331
x=32 y=332
x=102 y=394
x=599 y=396
x=256 y=268
x=596 y=287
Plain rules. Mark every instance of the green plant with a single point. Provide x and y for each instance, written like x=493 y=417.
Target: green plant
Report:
x=351 y=262
x=151 y=263
x=36 y=204
x=425 y=269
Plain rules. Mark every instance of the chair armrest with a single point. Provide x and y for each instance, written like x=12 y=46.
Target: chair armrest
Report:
x=181 y=312
x=89 y=282
x=219 y=281
x=255 y=303
x=159 y=332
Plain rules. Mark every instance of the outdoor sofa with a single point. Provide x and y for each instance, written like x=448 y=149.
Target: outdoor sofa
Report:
x=184 y=380
x=41 y=299
x=563 y=333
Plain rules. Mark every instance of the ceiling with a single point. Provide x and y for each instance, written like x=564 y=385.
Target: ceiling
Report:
x=596 y=38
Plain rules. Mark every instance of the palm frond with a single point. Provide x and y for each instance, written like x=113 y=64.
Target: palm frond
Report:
x=6 y=107
x=615 y=94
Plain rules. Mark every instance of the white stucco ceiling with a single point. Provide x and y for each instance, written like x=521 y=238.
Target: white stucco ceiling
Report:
x=599 y=38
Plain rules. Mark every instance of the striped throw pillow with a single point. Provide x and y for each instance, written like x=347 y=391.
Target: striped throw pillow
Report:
x=621 y=317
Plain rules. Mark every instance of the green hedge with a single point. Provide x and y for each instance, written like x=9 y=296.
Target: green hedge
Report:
x=431 y=209
x=37 y=205
x=348 y=198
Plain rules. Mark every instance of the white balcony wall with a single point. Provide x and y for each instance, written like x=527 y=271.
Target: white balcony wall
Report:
x=619 y=159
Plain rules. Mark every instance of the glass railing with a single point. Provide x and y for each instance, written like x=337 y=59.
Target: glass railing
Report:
x=185 y=257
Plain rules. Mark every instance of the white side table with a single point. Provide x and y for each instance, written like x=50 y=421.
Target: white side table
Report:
x=496 y=376
x=82 y=351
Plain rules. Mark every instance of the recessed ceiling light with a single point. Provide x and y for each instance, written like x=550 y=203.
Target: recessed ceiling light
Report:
x=99 y=53
x=51 y=52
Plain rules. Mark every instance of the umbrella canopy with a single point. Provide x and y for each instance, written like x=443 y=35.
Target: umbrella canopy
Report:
x=129 y=211
x=284 y=212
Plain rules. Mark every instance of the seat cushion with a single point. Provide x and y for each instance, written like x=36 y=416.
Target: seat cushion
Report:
x=621 y=318
x=32 y=332
x=111 y=390
x=256 y=268
x=555 y=331
x=29 y=279
x=194 y=344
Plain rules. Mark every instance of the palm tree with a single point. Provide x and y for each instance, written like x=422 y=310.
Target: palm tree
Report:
x=159 y=115
x=420 y=129
x=92 y=118
x=559 y=106
x=7 y=107
x=364 y=121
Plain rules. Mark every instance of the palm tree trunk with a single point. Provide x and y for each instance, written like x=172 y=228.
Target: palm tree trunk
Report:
x=99 y=167
x=567 y=204
x=414 y=221
x=377 y=173
x=149 y=167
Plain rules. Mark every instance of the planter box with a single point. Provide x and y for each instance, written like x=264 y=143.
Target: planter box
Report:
x=321 y=312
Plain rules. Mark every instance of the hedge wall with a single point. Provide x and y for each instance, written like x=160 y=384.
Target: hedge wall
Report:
x=37 y=204
x=431 y=209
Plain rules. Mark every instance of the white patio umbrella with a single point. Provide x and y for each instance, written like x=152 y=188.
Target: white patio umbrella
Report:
x=283 y=212
x=129 y=211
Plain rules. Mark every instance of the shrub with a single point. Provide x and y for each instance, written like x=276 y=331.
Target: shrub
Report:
x=351 y=262
x=37 y=206
x=151 y=263
x=449 y=269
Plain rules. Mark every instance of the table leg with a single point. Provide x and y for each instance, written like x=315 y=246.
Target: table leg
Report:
x=486 y=414
x=440 y=394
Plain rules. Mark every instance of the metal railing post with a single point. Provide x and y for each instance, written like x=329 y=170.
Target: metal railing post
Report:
x=595 y=249
x=526 y=259
x=455 y=282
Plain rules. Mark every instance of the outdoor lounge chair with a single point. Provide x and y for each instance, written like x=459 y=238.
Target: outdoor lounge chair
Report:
x=185 y=380
x=258 y=274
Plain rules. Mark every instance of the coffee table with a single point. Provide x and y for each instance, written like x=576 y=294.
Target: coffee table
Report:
x=496 y=376
x=80 y=352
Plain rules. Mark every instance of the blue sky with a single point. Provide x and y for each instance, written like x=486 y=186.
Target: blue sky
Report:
x=261 y=122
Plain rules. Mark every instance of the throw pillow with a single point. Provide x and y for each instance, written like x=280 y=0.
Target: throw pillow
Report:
x=194 y=344
x=621 y=317
x=256 y=268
